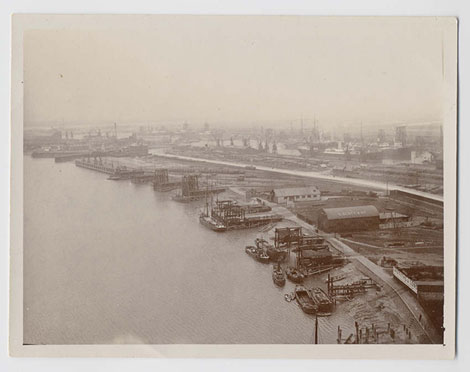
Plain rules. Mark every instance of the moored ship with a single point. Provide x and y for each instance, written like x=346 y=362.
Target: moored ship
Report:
x=210 y=223
x=294 y=275
x=323 y=303
x=304 y=300
x=257 y=253
x=278 y=276
x=275 y=254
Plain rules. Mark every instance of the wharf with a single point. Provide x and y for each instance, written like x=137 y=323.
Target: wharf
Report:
x=143 y=178
x=166 y=186
x=65 y=154
x=97 y=166
x=197 y=195
x=227 y=215
x=313 y=174
x=62 y=158
x=116 y=173
x=190 y=190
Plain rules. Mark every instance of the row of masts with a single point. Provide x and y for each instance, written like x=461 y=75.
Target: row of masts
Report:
x=208 y=187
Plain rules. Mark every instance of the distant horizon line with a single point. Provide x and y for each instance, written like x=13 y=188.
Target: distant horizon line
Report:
x=305 y=122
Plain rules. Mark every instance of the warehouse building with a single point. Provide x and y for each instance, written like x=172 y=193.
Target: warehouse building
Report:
x=295 y=194
x=427 y=282
x=349 y=219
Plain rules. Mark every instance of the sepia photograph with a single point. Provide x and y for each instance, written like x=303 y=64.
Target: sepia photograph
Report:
x=234 y=181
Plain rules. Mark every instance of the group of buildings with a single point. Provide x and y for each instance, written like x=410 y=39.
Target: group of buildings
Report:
x=343 y=219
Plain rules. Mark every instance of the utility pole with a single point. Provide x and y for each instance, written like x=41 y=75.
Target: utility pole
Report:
x=357 y=332
x=316 y=329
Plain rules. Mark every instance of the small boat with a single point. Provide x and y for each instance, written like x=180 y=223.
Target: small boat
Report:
x=262 y=257
x=294 y=275
x=278 y=276
x=252 y=251
x=323 y=303
x=257 y=253
x=304 y=300
x=289 y=297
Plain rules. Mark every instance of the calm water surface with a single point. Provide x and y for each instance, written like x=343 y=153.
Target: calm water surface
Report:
x=113 y=262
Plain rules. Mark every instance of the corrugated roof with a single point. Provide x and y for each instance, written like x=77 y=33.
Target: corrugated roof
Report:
x=351 y=212
x=291 y=191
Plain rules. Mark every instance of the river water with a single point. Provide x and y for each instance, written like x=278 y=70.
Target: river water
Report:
x=112 y=262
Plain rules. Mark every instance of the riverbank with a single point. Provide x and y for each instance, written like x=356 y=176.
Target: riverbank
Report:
x=313 y=174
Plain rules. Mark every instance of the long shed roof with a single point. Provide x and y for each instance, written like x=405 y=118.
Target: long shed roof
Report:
x=292 y=191
x=351 y=212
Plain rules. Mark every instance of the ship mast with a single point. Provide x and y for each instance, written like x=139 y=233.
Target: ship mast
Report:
x=212 y=199
x=207 y=206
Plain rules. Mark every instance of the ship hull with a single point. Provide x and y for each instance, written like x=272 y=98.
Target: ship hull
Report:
x=323 y=303
x=278 y=277
x=304 y=300
x=211 y=224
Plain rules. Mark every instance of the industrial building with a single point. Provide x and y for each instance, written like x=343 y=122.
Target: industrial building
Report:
x=427 y=282
x=420 y=278
x=349 y=219
x=295 y=194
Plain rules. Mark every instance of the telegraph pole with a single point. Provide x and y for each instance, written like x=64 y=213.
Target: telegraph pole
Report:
x=316 y=329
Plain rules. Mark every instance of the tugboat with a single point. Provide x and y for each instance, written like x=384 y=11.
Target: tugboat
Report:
x=304 y=300
x=323 y=303
x=262 y=257
x=257 y=253
x=278 y=276
x=294 y=275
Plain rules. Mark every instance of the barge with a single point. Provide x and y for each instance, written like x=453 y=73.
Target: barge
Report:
x=304 y=300
x=313 y=301
x=210 y=223
x=323 y=303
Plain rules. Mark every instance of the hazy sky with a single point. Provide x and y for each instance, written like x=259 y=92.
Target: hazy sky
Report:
x=236 y=69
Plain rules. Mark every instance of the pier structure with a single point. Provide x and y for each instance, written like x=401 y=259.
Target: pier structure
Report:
x=313 y=255
x=351 y=289
x=191 y=191
x=96 y=163
x=115 y=172
x=376 y=334
x=234 y=216
x=161 y=181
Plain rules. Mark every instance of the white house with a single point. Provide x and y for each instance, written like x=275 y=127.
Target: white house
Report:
x=294 y=194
